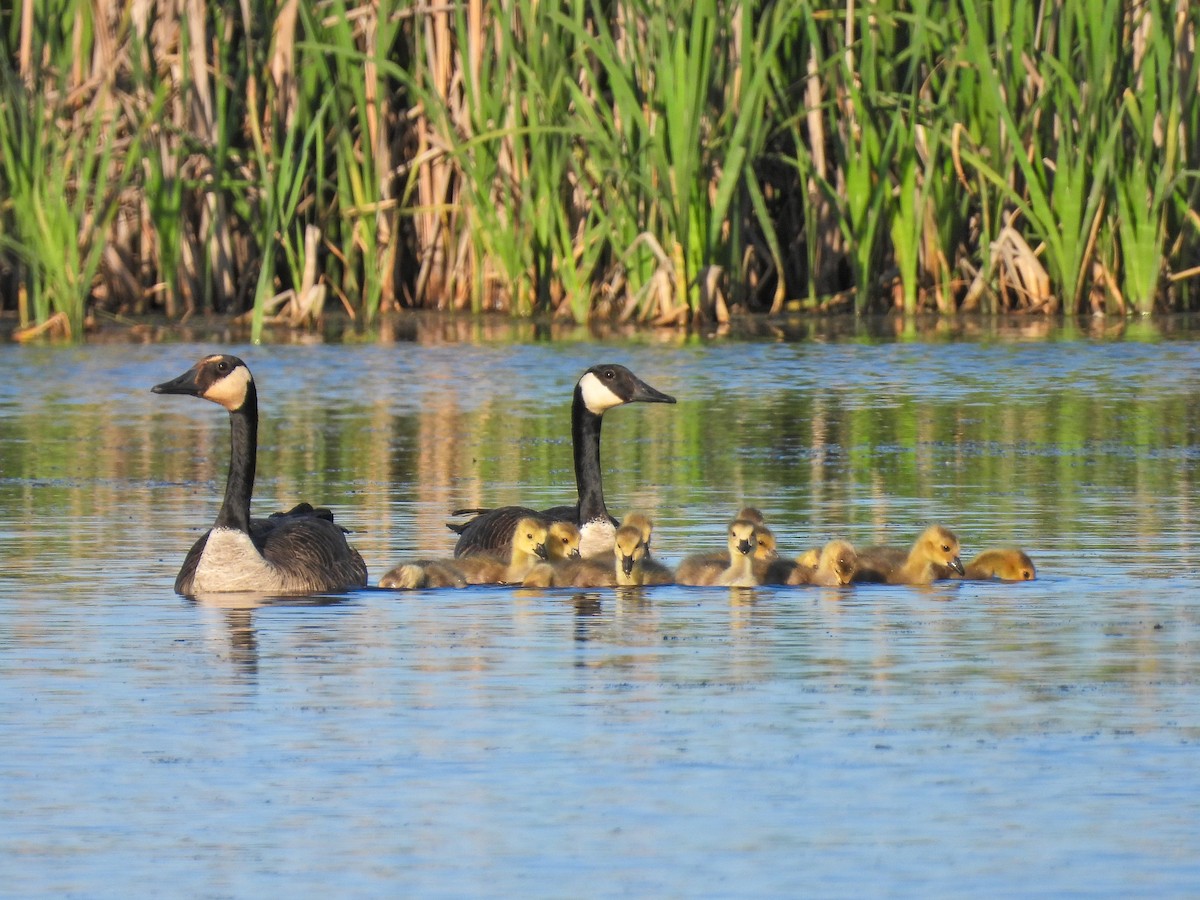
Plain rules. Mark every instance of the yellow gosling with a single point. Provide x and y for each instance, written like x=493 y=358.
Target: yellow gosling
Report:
x=836 y=564
x=528 y=549
x=632 y=562
x=1005 y=563
x=562 y=548
x=702 y=568
x=751 y=514
x=562 y=541
x=936 y=546
x=741 y=556
x=736 y=569
x=810 y=557
x=627 y=564
x=645 y=527
x=427 y=573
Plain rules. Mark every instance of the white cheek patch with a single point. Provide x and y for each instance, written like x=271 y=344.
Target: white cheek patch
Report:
x=231 y=390
x=597 y=396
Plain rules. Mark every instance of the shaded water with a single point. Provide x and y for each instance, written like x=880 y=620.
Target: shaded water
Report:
x=975 y=738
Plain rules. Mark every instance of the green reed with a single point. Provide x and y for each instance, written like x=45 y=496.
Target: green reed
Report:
x=61 y=193
x=660 y=161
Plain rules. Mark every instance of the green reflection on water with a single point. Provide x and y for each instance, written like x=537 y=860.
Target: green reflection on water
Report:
x=1046 y=464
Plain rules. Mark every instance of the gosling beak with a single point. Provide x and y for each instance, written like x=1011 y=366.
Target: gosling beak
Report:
x=540 y=551
x=184 y=384
x=743 y=547
x=957 y=566
x=574 y=554
x=626 y=564
x=646 y=394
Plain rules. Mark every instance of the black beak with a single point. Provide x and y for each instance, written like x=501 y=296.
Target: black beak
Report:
x=626 y=564
x=574 y=554
x=644 y=393
x=743 y=547
x=957 y=566
x=184 y=384
x=540 y=551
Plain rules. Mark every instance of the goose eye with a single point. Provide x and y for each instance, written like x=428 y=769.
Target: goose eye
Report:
x=610 y=374
x=222 y=366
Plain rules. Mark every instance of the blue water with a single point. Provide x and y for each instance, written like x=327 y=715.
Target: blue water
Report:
x=960 y=740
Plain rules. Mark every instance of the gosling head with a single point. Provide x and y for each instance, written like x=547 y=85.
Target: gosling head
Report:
x=562 y=541
x=1022 y=570
x=529 y=537
x=1008 y=564
x=941 y=546
x=764 y=543
x=221 y=378
x=840 y=558
x=741 y=538
x=629 y=548
x=751 y=514
x=642 y=522
x=605 y=386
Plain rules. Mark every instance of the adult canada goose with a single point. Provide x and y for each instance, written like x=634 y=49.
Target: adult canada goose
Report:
x=936 y=546
x=297 y=552
x=836 y=562
x=740 y=570
x=598 y=390
x=526 y=549
x=1005 y=563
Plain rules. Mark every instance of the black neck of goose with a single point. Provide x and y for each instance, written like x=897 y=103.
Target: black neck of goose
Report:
x=243 y=426
x=585 y=436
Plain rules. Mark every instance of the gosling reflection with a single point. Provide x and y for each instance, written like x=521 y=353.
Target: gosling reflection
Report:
x=587 y=618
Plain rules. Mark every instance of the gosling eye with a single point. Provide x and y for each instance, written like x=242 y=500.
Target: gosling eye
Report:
x=945 y=548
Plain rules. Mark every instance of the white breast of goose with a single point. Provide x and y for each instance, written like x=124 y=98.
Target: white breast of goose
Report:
x=596 y=537
x=231 y=562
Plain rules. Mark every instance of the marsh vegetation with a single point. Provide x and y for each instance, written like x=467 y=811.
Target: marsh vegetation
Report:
x=652 y=162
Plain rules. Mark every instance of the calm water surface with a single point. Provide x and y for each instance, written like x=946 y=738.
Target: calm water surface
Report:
x=964 y=739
